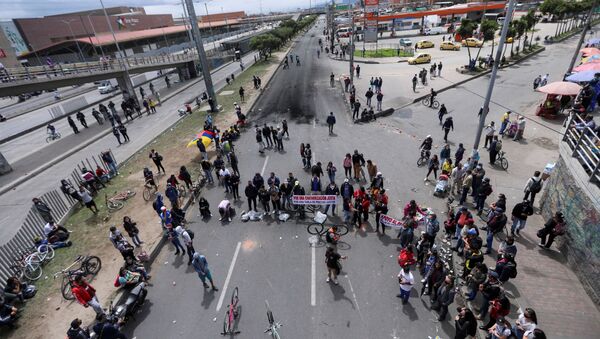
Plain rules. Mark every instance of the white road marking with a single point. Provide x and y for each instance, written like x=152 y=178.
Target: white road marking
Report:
x=313 y=277
x=354 y=297
x=264 y=166
x=224 y=290
x=315 y=123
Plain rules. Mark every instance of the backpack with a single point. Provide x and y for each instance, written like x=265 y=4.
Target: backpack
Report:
x=498 y=145
x=190 y=233
x=560 y=228
x=536 y=186
x=497 y=223
x=347 y=162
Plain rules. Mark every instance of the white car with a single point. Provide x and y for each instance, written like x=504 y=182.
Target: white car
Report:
x=107 y=87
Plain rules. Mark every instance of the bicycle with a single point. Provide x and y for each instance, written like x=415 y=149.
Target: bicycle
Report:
x=116 y=202
x=181 y=191
x=273 y=326
x=427 y=101
x=89 y=265
x=424 y=158
x=232 y=315
x=149 y=190
x=52 y=137
x=500 y=158
x=42 y=254
x=318 y=226
x=24 y=267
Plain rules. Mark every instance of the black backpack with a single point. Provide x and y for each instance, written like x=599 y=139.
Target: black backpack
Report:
x=190 y=233
x=536 y=186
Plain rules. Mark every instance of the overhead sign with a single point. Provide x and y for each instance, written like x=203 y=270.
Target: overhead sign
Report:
x=371 y=14
x=314 y=199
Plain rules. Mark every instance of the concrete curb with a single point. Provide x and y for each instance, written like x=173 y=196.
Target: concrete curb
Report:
x=63 y=98
x=479 y=75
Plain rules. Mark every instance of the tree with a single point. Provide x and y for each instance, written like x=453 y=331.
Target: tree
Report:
x=520 y=29
x=265 y=43
x=531 y=21
x=283 y=33
x=290 y=23
x=488 y=28
x=465 y=31
x=510 y=33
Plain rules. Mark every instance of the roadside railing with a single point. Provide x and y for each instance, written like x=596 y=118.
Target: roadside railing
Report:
x=584 y=144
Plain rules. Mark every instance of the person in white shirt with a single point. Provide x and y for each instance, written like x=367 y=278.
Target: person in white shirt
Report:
x=51 y=229
x=489 y=134
x=525 y=324
x=87 y=199
x=187 y=241
x=225 y=210
x=406 y=280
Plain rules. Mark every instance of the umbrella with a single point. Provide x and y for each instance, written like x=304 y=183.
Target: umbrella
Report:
x=590 y=66
x=590 y=51
x=590 y=58
x=206 y=137
x=584 y=76
x=593 y=41
x=560 y=88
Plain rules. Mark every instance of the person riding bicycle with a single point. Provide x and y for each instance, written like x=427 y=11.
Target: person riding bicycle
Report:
x=51 y=130
x=173 y=181
x=426 y=146
x=149 y=178
x=432 y=95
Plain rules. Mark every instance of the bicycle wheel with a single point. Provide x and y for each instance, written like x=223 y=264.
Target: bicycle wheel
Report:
x=114 y=205
x=342 y=229
x=504 y=163
x=315 y=228
x=48 y=139
x=130 y=194
x=92 y=265
x=425 y=101
x=436 y=104
x=227 y=327
x=47 y=250
x=269 y=314
x=146 y=194
x=234 y=298
x=33 y=272
x=66 y=289
x=421 y=161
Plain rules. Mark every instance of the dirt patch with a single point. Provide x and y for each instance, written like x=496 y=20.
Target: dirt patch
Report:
x=545 y=143
x=48 y=315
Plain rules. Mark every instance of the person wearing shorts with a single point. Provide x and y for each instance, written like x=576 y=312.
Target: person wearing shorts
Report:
x=87 y=199
x=201 y=267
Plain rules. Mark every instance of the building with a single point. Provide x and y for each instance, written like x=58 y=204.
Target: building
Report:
x=37 y=35
x=8 y=55
x=11 y=44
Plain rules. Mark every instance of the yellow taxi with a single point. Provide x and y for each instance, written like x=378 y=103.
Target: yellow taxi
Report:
x=421 y=58
x=448 y=45
x=425 y=44
x=472 y=42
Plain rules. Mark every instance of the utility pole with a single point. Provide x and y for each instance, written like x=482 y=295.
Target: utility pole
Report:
x=351 y=45
x=583 y=33
x=332 y=27
x=201 y=53
x=488 y=96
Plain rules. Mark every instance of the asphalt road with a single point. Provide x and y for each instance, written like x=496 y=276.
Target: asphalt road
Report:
x=275 y=261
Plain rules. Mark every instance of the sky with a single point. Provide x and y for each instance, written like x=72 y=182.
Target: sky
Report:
x=36 y=8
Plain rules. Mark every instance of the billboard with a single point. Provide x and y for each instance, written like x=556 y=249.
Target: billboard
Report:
x=371 y=14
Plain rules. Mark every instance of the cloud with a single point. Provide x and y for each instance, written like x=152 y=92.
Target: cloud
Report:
x=36 y=8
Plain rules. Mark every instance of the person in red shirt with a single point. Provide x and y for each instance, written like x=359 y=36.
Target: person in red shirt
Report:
x=360 y=193
x=365 y=209
x=411 y=209
x=102 y=174
x=86 y=295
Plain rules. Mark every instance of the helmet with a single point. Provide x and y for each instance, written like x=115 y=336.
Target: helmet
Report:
x=428 y=136
x=378 y=174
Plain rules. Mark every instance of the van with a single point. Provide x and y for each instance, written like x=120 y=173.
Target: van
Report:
x=435 y=30
x=344 y=32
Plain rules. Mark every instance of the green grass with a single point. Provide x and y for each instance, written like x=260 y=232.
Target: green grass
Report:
x=382 y=53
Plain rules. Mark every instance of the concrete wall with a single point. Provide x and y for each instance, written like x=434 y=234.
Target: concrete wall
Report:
x=569 y=191
x=8 y=56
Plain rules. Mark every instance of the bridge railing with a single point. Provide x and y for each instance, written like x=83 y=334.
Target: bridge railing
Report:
x=12 y=76
x=585 y=144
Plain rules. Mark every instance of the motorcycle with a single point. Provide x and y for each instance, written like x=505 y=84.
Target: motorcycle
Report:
x=135 y=299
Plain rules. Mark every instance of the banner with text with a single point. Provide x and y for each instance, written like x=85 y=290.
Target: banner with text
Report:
x=388 y=221
x=314 y=199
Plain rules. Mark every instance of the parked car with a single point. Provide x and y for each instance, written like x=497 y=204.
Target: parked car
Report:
x=406 y=42
x=435 y=30
x=425 y=44
x=472 y=42
x=448 y=45
x=421 y=58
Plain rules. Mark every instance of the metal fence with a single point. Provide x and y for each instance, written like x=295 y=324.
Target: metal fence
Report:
x=585 y=144
x=33 y=226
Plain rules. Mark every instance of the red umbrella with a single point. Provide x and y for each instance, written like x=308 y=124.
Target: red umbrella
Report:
x=588 y=66
x=560 y=88
x=590 y=51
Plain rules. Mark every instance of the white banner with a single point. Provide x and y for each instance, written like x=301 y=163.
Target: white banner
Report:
x=314 y=199
x=388 y=221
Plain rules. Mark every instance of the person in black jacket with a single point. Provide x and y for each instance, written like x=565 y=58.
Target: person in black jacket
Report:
x=519 y=216
x=106 y=330
x=76 y=332
x=465 y=323
x=251 y=193
x=331 y=189
x=448 y=124
x=331 y=122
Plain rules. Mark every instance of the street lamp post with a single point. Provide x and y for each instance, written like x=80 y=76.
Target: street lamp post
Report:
x=95 y=35
x=201 y=54
x=210 y=26
x=68 y=23
x=488 y=96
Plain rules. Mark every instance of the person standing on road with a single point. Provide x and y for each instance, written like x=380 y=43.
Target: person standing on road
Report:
x=433 y=166
x=533 y=186
x=81 y=119
x=504 y=122
x=483 y=192
x=284 y=126
x=406 y=280
x=448 y=124
x=123 y=131
x=132 y=230
x=167 y=81
x=520 y=128
x=332 y=260
x=439 y=69
x=206 y=168
x=241 y=92
x=414 y=83
x=115 y=132
x=356 y=110
x=445 y=297
x=379 y=98
x=443 y=111
x=369 y=95
x=357 y=71
x=43 y=210
x=187 y=241
x=201 y=267
x=519 y=216
x=157 y=159
x=142 y=92
x=330 y=122
x=111 y=106
x=251 y=193
x=358 y=161
x=86 y=295
x=489 y=131
x=72 y=124
x=266 y=132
